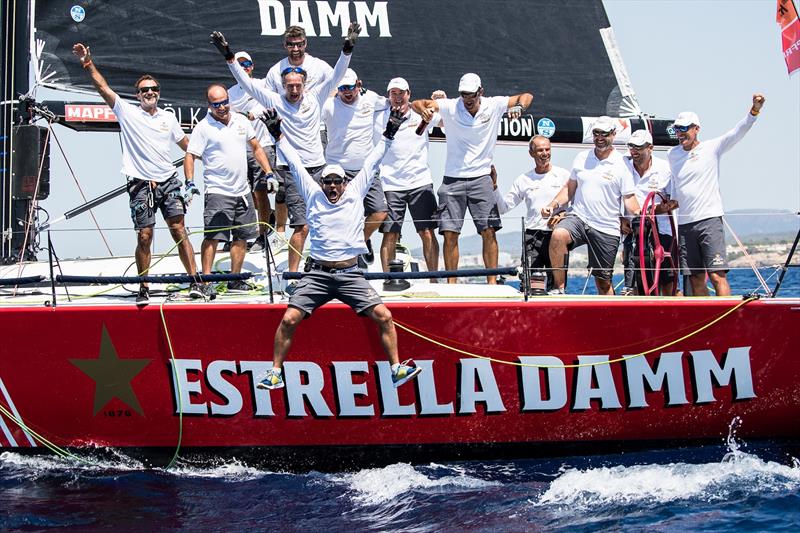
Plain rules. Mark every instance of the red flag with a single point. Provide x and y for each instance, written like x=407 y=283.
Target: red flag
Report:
x=790 y=33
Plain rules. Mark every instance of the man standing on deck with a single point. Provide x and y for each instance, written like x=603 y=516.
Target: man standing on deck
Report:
x=695 y=171
x=336 y=217
x=536 y=188
x=407 y=179
x=649 y=174
x=301 y=110
x=241 y=102
x=147 y=133
x=471 y=123
x=221 y=139
x=348 y=118
x=598 y=184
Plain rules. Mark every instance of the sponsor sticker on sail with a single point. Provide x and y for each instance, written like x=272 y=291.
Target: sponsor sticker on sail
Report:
x=790 y=33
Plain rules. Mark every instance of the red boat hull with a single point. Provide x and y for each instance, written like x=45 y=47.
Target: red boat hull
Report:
x=105 y=376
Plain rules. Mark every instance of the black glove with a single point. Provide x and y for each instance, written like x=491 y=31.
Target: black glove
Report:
x=272 y=121
x=352 y=36
x=218 y=40
x=396 y=118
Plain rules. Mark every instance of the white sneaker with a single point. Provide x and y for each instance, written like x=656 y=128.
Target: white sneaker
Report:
x=278 y=242
x=555 y=292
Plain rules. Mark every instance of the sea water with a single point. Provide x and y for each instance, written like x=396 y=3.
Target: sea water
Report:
x=747 y=486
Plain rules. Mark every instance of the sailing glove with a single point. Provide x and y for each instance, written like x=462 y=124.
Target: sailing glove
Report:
x=266 y=183
x=218 y=40
x=191 y=191
x=396 y=118
x=272 y=121
x=352 y=36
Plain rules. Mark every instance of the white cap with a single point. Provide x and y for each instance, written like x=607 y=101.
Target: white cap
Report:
x=687 y=118
x=640 y=138
x=333 y=170
x=242 y=55
x=350 y=77
x=469 y=83
x=397 y=83
x=604 y=124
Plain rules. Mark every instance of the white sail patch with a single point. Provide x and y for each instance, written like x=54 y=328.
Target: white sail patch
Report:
x=320 y=18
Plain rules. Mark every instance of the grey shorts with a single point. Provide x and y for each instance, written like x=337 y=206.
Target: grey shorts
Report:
x=456 y=195
x=318 y=288
x=254 y=171
x=295 y=203
x=703 y=246
x=374 y=201
x=602 y=247
x=421 y=203
x=221 y=212
x=144 y=201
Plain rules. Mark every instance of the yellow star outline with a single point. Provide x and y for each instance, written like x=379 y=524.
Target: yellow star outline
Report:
x=112 y=376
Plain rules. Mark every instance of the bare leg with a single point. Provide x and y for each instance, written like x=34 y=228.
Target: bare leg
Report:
x=559 y=242
x=388 y=245
x=451 y=253
x=373 y=222
x=281 y=216
x=238 y=249
x=604 y=286
x=296 y=242
x=263 y=208
x=144 y=241
x=185 y=250
x=208 y=249
x=283 y=336
x=430 y=249
x=490 y=252
x=381 y=315
x=698 y=282
x=720 y=282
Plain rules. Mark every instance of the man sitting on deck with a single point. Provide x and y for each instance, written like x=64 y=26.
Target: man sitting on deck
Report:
x=335 y=212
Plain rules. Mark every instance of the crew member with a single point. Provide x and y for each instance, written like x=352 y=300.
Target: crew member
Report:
x=336 y=216
x=695 y=174
x=300 y=108
x=536 y=188
x=598 y=185
x=221 y=140
x=241 y=102
x=147 y=134
x=348 y=118
x=471 y=123
x=649 y=174
x=406 y=178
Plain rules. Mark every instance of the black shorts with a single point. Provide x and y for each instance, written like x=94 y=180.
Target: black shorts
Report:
x=602 y=247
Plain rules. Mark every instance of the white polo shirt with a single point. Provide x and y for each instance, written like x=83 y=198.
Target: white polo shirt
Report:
x=405 y=164
x=471 y=140
x=241 y=102
x=147 y=141
x=223 y=148
x=301 y=121
x=349 y=129
x=336 y=231
x=656 y=179
x=695 y=174
x=537 y=190
x=319 y=73
x=601 y=187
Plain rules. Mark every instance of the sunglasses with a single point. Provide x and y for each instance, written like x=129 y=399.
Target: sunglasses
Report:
x=683 y=129
x=347 y=87
x=469 y=95
x=296 y=44
x=332 y=181
x=641 y=147
x=217 y=105
x=598 y=133
x=246 y=64
x=154 y=88
x=289 y=70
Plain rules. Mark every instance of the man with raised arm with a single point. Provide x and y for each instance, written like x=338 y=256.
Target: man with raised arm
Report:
x=695 y=174
x=336 y=219
x=301 y=110
x=147 y=134
x=598 y=185
x=243 y=103
x=318 y=72
x=536 y=188
x=471 y=123
x=221 y=140
x=406 y=178
x=348 y=118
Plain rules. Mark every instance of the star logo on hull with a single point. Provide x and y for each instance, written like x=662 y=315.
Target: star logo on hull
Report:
x=112 y=376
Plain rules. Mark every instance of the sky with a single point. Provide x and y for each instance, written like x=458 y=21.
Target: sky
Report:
x=708 y=56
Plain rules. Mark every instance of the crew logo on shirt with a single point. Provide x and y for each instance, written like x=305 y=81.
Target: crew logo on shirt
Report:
x=240 y=130
x=366 y=109
x=163 y=126
x=607 y=175
x=305 y=107
x=483 y=118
